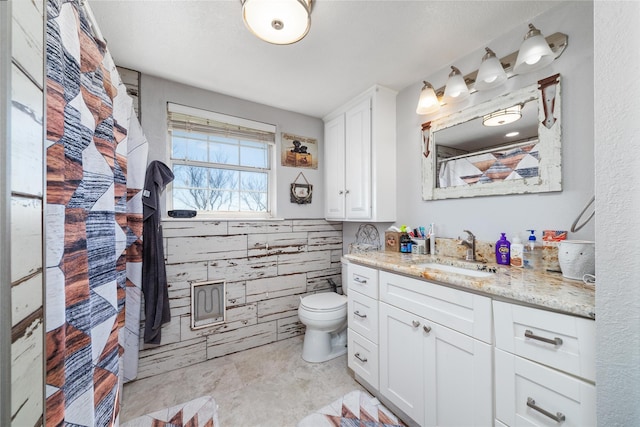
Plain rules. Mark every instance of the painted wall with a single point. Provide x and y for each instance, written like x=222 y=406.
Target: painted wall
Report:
x=617 y=132
x=156 y=92
x=488 y=216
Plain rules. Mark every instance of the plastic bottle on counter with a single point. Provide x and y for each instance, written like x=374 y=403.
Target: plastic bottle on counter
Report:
x=405 y=243
x=517 y=253
x=532 y=252
x=503 y=250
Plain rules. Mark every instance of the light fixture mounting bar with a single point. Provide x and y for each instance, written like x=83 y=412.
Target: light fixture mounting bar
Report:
x=557 y=42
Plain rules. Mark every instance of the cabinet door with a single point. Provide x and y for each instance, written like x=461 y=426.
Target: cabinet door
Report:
x=458 y=379
x=334 y=170
x=401 y=360
x=358 y=161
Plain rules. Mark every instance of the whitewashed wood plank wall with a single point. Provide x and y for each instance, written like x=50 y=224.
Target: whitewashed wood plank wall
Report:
x=27 y=190
x=268 y=267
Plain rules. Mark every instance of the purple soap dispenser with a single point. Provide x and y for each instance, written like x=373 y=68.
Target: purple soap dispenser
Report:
x=503 y=250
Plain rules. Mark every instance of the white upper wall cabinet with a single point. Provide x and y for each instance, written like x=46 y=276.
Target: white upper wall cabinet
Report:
x=360 y=158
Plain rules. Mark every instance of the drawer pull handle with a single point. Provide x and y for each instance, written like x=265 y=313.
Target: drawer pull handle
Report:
x=362 y=316
x=360 y=358
x=426 y=328
x=415 y=323
x=557 y=417
x=359 y=280
x=556 y=341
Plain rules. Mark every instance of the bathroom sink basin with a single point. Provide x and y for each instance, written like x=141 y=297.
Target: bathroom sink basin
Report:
x=453 y=269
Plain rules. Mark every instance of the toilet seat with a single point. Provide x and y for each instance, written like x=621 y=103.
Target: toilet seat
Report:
x=324 y=302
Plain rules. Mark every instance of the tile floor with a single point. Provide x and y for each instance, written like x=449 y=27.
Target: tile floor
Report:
x=265 y=386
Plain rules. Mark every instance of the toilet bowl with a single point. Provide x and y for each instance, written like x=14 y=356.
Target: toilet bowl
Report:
x=325 y=316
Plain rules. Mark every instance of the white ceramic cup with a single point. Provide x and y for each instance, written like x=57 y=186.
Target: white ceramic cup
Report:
x=577 y=258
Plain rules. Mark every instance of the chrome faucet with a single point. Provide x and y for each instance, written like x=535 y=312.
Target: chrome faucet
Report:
x=470 y=243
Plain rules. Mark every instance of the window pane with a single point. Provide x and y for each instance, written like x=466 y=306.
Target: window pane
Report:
x=179 y=148
x=220 y=152
x=254 y=202
x=253 y=181
x=189 y=176
x=223 y=179
x=254 y=154
x=197 y=150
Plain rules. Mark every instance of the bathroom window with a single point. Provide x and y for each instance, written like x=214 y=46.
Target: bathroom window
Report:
x=223 y=165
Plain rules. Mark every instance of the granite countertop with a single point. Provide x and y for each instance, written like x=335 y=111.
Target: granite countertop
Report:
x=543 y=289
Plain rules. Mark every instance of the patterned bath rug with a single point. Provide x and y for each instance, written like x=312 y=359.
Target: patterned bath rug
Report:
x=354 y=409
x=200 y=412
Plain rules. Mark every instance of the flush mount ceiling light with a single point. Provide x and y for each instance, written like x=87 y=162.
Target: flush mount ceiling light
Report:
x=428 y=102
x=534 y=53
x=456 y=89
x=503 y=117
x=277 y=21
x=491 y=73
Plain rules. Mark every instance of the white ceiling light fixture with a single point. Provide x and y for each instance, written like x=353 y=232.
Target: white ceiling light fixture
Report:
x=456 y=89
x=503 y=117
x=491 y=73
x=277 y=21
x=428 y=102
x=534 y=53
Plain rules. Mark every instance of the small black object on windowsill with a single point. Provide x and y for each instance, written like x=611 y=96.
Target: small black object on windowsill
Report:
x=182 y=213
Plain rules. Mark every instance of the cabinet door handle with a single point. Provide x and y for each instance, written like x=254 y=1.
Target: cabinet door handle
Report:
x=340 y=192
x=346 y=191
x=557 y=417
x=426 y=328
x=415 y=323
x=359 y=280
x=556 y=341
x=360 y=358
x=362 y=316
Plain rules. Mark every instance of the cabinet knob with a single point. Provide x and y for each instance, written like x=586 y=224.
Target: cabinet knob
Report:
x=341 y=192
x=346 y=191
x=415 y=323
x=426 y=328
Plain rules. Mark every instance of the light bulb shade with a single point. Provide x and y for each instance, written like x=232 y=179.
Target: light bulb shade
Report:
x=456 y=89
x=428 y=102
x=491 y=73
x=534 y=53
x=277 y=21
x=503 y=117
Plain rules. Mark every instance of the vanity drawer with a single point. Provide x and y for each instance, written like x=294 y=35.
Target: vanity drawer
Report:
x=558 y=340
x=464 y=312
x=525 y=389
x=363 y=357
x=362 y=279
x=363 y=315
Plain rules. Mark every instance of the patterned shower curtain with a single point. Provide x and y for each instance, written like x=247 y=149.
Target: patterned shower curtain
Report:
x=95 y=171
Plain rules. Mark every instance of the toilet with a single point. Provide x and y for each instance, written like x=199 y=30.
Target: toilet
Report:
x=325 y=316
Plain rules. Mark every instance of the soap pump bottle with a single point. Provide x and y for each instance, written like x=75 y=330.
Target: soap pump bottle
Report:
x=530 y=252
x=517 y=253
x=503 y=250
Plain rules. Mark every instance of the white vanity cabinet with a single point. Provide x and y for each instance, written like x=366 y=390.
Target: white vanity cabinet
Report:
x=360 y=158
x=545 y=367
x=362 y=315
x=434 y=364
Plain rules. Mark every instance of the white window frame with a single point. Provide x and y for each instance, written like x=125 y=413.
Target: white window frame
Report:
x=239 y=121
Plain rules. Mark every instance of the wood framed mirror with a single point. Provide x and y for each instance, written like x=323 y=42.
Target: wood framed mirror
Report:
x=462 y=157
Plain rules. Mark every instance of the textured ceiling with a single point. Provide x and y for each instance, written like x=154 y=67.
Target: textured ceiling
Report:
x=351 y=45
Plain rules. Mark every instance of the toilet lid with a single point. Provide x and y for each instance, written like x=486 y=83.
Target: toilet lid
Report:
x=324 y=301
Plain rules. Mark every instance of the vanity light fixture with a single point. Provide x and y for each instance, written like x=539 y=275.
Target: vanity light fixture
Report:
x=503 y=117
x=534 y=53
x=428 y=102
x=277 y=21
x=456 y=89
x=491 y=73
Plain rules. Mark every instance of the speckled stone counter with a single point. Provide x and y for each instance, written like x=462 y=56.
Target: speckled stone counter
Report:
x=538 y=288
